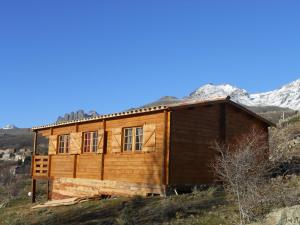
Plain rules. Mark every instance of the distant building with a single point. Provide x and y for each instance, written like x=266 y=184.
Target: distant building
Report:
x=19 y=157
x=24 y=151
x=14 y=155
x=6 y=156
x=8 y=150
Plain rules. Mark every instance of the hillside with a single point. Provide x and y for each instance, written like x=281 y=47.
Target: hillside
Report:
x=18 y=138
x=201 y=207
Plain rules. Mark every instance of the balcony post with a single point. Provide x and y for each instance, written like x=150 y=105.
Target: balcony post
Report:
x=33 y=182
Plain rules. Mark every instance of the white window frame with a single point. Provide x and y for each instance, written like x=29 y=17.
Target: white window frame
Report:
x=63 y=144
x=130 y=143
x=90 y=142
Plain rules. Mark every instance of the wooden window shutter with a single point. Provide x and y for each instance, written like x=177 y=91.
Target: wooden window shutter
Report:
x=100 y=141
x=116 y=140
x=75 y=142
x=149 y=131
x=52 y=145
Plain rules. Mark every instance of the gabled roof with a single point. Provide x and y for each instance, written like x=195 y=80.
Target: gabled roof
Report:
x=175 y=106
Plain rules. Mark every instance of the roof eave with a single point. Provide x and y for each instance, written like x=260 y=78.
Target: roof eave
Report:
x=103 y=117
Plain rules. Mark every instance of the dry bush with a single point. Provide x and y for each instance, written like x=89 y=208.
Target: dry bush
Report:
x=11 y=185
x=245 y=171
x=241 y=168
x=281 y=143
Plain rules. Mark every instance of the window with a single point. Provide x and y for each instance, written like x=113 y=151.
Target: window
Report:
x=63 y=143
x=128 y=139
x=133 y=139
x=90 y=141
x=138 y=138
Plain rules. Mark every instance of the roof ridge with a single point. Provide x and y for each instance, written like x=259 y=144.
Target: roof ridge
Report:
x=132 y=112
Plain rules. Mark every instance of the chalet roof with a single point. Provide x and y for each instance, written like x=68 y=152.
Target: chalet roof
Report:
x=156 y=108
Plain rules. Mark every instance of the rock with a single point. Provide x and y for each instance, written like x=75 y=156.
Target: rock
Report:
x=284 y=216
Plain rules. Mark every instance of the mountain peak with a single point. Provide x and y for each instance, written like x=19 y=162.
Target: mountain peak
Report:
x=211 y=90
x=208 y=91
x=9 y=127
x=288 y=96
x=79 y=114
x=294 y=84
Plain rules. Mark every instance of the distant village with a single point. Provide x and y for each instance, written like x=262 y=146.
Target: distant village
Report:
x=14 y=154
x=11 y=154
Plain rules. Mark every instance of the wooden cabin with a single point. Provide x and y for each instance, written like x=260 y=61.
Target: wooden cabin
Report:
x=139 y=152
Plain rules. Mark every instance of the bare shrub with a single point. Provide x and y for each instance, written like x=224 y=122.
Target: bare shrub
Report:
x=241 y=168
x=7 y=180
x=281 y=143
x=246 y=173
x=11 y=185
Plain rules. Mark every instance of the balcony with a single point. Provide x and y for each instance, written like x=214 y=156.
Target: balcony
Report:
x=40 y=167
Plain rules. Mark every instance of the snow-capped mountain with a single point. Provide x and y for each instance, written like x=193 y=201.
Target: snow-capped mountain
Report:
x=209 y=91
x=288 y=96
x=9 y=127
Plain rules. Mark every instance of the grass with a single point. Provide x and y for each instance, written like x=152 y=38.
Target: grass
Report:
x=201 y=207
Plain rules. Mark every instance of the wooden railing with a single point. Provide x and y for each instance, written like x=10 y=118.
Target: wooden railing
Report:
x=40 y=166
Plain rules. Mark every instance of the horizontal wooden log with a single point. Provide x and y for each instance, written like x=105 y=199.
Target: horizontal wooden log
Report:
x=86 y=187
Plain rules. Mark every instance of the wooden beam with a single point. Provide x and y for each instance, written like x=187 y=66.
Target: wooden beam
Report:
x=48 y=189
x=49 y=165
x=222 y=123
x=165 y=142
x=104 y=149
x=34 y=142
x=76 y=127
x=75 y=166
x=168 y=140
x=49 y=175
x=33 y=190
x=33 y=182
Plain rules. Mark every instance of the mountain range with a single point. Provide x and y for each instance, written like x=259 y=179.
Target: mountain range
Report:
x=9 y=127
x=288 y=96
x=272 y=103
x=79 y=114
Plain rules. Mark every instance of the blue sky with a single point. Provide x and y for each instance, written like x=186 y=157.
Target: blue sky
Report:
x=60 y=56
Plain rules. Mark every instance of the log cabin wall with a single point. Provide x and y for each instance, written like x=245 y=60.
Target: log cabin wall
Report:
x=239 y=123
x=138 y=167
x=62 y=165
x=193 y=134
x=142 y=167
